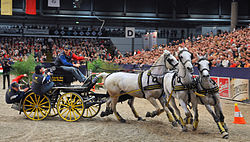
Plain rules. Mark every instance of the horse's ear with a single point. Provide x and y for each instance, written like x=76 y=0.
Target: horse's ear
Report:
x=198 y=56
x=185 y=48
x=180 y=49
x=206 y=55
x=166 y=52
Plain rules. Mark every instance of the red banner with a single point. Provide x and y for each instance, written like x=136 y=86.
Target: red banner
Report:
x=31 y=7
x=224 y=87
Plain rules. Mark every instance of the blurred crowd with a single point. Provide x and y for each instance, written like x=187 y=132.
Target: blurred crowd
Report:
x=19 y=48
x=224 y=50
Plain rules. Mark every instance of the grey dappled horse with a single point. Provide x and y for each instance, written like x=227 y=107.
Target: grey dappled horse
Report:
x=205 y=85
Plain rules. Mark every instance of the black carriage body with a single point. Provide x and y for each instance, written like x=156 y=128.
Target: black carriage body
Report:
x=61 y=77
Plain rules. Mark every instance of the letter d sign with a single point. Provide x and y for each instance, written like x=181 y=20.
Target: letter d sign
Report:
x=130 y=32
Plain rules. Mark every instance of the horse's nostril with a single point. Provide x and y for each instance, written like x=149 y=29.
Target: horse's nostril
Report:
x=205 y=75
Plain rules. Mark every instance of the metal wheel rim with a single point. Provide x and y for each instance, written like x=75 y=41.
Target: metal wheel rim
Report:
x=36 y=107
x=70 y=105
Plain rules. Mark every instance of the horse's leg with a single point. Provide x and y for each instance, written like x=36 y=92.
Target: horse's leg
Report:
x=218 y=111
x=131 y=104
x=216 y=119
x=114 y=101
x=169 y=115
x=154 y=103
x=196 y=115
x=180 y=120
x=108 y=110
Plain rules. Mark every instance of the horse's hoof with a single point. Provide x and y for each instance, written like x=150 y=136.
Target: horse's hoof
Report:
x=141 y=119
x=123 y=121
x=194 y=129
x=225 y=135
x=174 y=124
x=184 y=129
x=103 y=114
x=148 y=114
x=225 y=127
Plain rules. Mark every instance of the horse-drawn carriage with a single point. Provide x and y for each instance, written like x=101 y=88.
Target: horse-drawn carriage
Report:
x=71 y=102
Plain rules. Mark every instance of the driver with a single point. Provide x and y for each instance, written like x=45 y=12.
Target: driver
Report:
x=64 y=59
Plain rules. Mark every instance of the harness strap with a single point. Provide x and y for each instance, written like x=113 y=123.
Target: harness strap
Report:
x=152 y=87
x=140 y=83
x=200 y=100
x=149 y=73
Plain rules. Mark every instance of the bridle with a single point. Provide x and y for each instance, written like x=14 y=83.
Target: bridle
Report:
x=168 y=60
x=185 y=61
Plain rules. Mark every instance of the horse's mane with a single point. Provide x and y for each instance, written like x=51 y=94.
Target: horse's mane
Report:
x=155 y=63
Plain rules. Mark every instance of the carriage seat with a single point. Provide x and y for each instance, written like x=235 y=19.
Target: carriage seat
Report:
x=61 y=77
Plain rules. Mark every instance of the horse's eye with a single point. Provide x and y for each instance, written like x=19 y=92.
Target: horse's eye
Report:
x=181 y=57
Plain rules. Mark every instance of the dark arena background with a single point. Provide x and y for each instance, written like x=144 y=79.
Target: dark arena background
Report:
x=128 y=36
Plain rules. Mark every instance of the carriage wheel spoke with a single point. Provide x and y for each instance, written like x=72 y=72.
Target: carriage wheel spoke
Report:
x=32 y=100
x=32 y=111
x=42 y=99
x=29 y=109
x=70 y=99
x=64 y=105
x=43 y=103
x=90 y=112
x=76 y=101
x=93 y=109
x=74 y=114
x=67 y=114
x=29 y=105
x=70 y=114
x=64 y=111
x=34 y=114
x=38 y=100
x=37 y=113
x=42 y=112
x=73 y=100
x=35 y=99
x=44 y=106
x=77 y=105
x=87 y=112
x=77 y=112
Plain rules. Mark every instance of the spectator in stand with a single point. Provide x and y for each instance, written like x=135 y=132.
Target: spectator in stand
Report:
x=6 y=71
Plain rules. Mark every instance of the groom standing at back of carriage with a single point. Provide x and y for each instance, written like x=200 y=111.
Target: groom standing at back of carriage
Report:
x=64 y=61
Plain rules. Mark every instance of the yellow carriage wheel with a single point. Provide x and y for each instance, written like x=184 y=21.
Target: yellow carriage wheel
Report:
x=70 y=106
x=91 y=110
x=36 y=107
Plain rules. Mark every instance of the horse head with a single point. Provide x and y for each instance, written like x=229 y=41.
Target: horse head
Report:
x=203 y=66
x=170 y=61
x=185 y=58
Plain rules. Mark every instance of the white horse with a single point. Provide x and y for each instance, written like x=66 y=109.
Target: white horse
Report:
x=144 y=85
x=179 y=85
x=206 y=86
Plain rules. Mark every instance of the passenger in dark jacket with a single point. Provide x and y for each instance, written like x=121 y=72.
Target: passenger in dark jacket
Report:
x=13 y=94
x=41 y=84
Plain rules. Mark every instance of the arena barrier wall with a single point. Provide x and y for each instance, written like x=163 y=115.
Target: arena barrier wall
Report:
x=241 y=73
x=233 y=82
